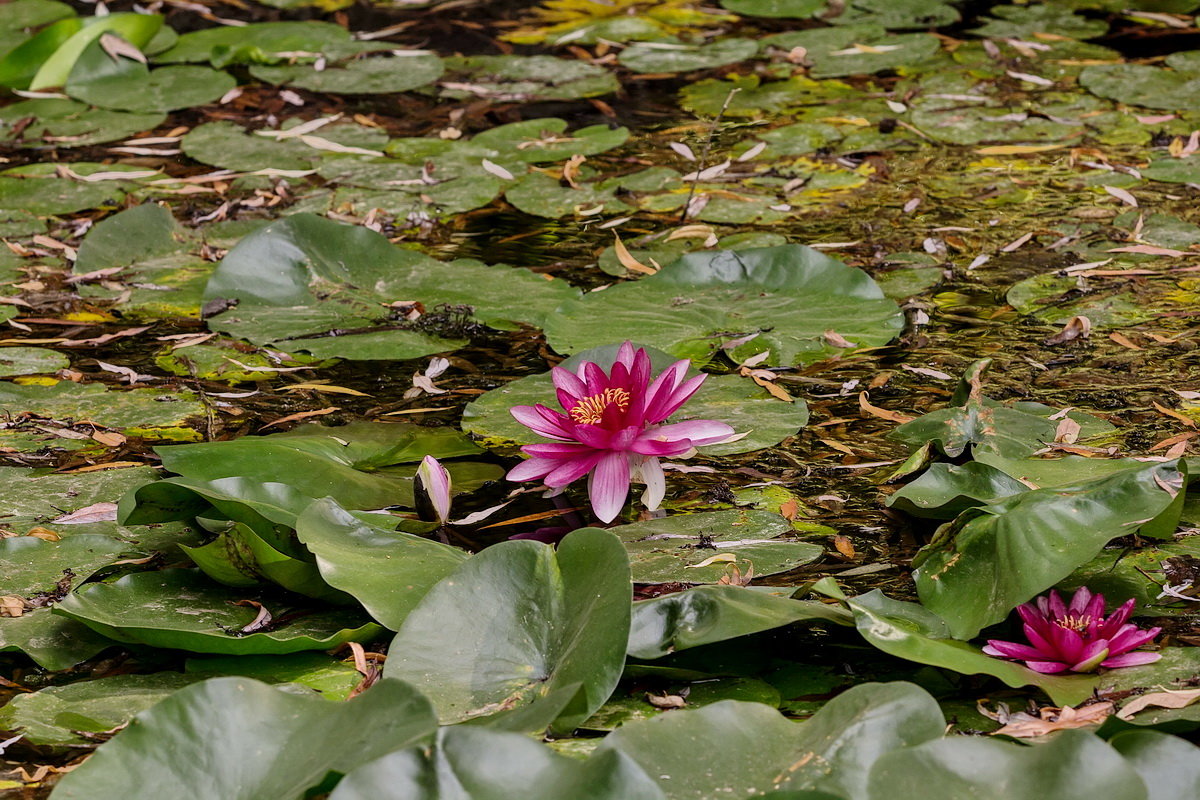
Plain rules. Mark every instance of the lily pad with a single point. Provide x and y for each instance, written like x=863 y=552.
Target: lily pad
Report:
x=524 y=79
x=688 y=306
x=1056 y=299
x=1143 y=85
x=273 y=742
x=995 y=557
x=680 y=57
x=708 y=614
x=33 y=566
x=788 y=9
x=132 y=409
x=519 y=621
x=68 y=123
x=1025 y=22
x=476 y=764
x=897 y=14
x=228 y=145
x=326 y=275
x=39 y=189
x=672 y=549
x=60 y=715
x=374 y=75
x=750 y=747
x=357 y=463
x=53 y=642
x=266 y=40
x=765 y=420
x=1073 y=765
x=124 y=84
x=387 y=570
x=946 y=490
x=180 y=608
x=30 y=361
x=1171 y=170
x=333 y=677
x=855 y=49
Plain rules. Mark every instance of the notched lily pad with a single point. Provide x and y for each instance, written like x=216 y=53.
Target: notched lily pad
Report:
x=699 y=548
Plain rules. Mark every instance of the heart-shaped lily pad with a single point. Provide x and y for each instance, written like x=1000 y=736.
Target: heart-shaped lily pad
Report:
x=688 y=306
x=180 y=608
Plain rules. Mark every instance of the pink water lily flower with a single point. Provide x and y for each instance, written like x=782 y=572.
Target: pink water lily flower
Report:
x=613 y=429
x=1076 y=637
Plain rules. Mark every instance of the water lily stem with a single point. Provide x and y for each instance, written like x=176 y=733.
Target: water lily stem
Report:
x=712 y=132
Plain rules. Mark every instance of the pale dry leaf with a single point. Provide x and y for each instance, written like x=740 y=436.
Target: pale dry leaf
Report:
x=717 y=559
x=493 y=168
x=1050 y=719
x=626 y=258
x=1165 y=699
x=96 y=512
x=882 y=413
x=1122 y=195
x=116 y=47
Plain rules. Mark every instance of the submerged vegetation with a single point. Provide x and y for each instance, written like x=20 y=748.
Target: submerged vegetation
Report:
x=889 y=304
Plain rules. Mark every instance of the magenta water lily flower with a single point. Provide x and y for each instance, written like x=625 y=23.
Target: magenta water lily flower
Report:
x=613 y=429
x=1076 y=637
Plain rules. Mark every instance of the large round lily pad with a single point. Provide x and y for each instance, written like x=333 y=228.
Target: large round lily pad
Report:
x=182 y=609
x=377 y=75
x=785 y=297
x=699 y=548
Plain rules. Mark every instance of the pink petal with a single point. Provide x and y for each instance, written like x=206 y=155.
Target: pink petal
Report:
x=568 y=382
x=1131 y=659
x=571 y=470
x=1130 y=637
x=436 y=482
x=656 y=483
x=609 y=486
x=660 y=391
x=1042 y=641
x=1119 y=617
x=1014 y=650
x=680 y=396
x=1031 y=614
x=697 y=432
x=654 y=447
x=594 y=436
x=1046 y=667
x=625 y=354
x=594 y=377
x=532 y=469
x=1058 y=609
x=1093 y=653
x=557 y=450
x=542 y=420
x=1081 y=600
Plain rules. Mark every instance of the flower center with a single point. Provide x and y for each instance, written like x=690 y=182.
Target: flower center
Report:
x=590 y=410
x=1074 y=623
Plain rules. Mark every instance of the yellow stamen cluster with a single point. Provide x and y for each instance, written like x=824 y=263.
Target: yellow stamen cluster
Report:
x=590 y=410
x=1074 y=623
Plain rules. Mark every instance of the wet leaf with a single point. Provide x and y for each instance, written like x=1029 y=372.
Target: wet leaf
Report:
x=799 y=293
x=477 y=764
x=671 y=549
x=517 y=622
x=376 y=75
x=523 y=78
x=679 y=57
x=274 y=743
x=123 y=84
x=182 y=609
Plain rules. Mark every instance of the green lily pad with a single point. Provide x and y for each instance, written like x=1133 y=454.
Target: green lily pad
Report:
x=33 y=566
x=788 y=9
x=798 y=294
x=670 y=550
x=754 y=98
x=1122 y=573
x=37 y=188
x=123 y=84
x=375 y=75
x=328 y=275
x=1025 y=22
x=679 y=57
x=897 y=14
x=357 y=463
x=946 y=490
x=1171 y=170
x=1051 y=298
x=136 y=28
x=30 y=361
x=53 y=642
x=750 y=747
x=1074 y=765
x=476 y=764
x=268 y=39
x=141 y=409
x=42 y=495
x=765 y=420
x=995 y=557
x=524 y=79
x=227 y=145
x=386 y=570
x=272 y=742
x=333 y=677
x=667 y=252
x=180 y=608
x=519 y=621
x=1143 y=85
x=856 y=49
x=68 y=123
x=21 y=14
x=1168 y=765
x=624 y=708
x=708 y=614
x=59 y=715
